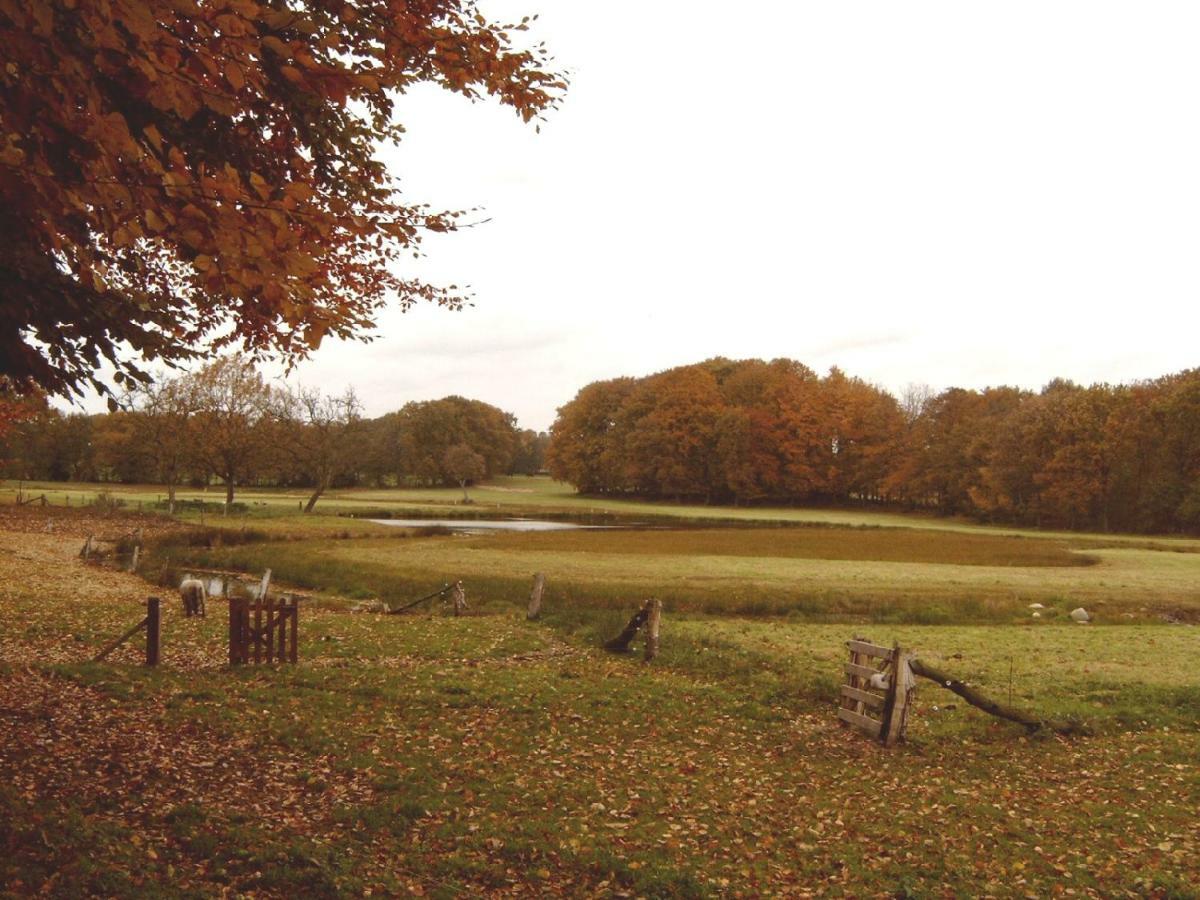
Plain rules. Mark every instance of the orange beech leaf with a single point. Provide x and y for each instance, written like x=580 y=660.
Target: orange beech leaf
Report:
x=180 y=145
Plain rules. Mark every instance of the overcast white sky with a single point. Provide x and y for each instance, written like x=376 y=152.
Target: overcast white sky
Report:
x=954 y=193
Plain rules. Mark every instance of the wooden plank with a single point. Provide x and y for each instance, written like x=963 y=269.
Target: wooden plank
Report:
x=856 y=659
x=858 y=671
x=866 y=697
x=865 y=723
x=899 y=692
x=295 y=627
x=239 y=625
x=119 y=641
x=269 y=633
x=257 y=630
x=862 y=647
x=233 y=632
x=153 y=630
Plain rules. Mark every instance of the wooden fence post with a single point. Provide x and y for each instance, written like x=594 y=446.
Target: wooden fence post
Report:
x=237 y=622
x=295 y=627
x=459 y=596
x=620 y=644
x=133 y=564
x=652 y=622
x=153 y=630
x=535 y=597
x=895 y=706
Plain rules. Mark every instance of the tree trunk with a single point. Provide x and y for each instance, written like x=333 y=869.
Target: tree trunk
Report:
x=322 y=485
x=1030 y=721
x=463 y=485
x=171 y=498
x=229 y=482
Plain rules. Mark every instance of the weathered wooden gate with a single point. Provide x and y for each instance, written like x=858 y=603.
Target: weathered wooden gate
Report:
x=875 y=696
x=262 y=630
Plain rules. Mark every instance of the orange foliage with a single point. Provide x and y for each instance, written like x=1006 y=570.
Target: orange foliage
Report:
x=179 y=174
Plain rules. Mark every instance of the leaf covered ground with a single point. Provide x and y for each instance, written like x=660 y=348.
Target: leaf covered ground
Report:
x=488 y=756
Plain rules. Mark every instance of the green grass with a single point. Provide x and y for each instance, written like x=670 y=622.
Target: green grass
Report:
x=522 y=495
x=494 y=755
x=748 y=573
x=504 y=759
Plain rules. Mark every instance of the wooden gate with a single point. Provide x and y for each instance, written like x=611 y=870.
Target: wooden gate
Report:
x=876 y=693
x=262 y=630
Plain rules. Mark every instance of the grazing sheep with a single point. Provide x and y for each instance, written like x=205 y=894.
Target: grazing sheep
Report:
x=192 y=591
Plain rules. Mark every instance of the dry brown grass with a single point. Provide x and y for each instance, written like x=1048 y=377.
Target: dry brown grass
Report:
x=858 y=544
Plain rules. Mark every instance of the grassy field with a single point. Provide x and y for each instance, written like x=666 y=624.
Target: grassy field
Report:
x=528 y=496
x=782 y=572
x=429 y=755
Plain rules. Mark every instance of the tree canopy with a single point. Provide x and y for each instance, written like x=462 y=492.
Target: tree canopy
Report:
x=180 y=175
x=1108 y=457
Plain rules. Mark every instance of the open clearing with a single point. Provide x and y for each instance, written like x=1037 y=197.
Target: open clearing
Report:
x=535 y=496
x=485 y=755
x=727 y=574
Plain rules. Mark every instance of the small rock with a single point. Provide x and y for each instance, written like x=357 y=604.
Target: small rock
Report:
x=1036 y=606
x=375 y=606
x=1037 y=615
x=1080 y=615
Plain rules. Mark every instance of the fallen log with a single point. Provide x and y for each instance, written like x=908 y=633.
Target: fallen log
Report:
x=620 y=644
x=439 y=592
x=1031 y=722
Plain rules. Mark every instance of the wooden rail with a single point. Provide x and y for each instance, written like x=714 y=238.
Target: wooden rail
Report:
x=152 y=623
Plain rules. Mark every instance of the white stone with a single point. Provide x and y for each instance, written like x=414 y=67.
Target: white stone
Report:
x=1080 y=615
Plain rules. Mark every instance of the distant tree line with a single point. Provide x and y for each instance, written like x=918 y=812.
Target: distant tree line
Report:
x=225 y=425
x=1106 y=457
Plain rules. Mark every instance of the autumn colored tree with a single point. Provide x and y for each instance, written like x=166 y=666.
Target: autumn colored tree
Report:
x=232 y=426
x=772 y=443
x=464 y=465
x=864 y=423
x=166 y=428
x=529 y=458
x=669 y=430
x=183 y=175
x=118 y=452
x=584 y=448
x=414 y=440
x=321 y=435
